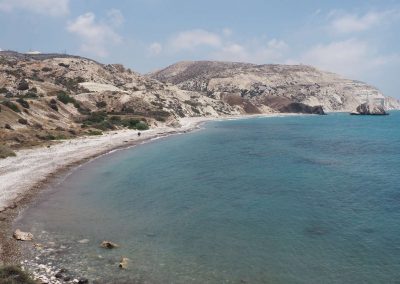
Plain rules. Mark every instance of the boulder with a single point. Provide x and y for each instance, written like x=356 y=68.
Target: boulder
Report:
x=369 y=109
x=22 y=236
x=108 y=245
x=123 y=263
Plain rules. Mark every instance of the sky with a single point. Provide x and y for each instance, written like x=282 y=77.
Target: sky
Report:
x=357 y=39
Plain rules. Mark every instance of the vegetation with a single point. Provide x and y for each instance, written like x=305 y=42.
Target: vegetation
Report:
x=23 y=103
x=134 y=123
x=53 y=104
x=101 y=104
x=5 y=152
x=94 y=132
x=46 y=69
x=65 y=98
x=23 y=121
x=3 y=90
x=11 y=105
x=69 y=83
x=14 y=275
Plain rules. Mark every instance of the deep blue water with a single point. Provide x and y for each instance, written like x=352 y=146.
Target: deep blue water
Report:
x=300 y=199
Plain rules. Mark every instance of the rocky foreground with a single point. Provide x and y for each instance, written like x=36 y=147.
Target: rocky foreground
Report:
x=49 y=97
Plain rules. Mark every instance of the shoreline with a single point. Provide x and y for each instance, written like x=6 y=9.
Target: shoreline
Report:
x=88 y=148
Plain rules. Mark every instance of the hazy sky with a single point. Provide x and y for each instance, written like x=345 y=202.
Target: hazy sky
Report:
x=359 y=39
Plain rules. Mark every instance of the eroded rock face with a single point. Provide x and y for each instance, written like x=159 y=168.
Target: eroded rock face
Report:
x=369 y=109
x=22 y=236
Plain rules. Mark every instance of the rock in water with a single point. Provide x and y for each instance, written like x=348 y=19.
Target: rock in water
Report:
x=108 y=245
x=369 y=109
x=22 y=236
x=123 y=263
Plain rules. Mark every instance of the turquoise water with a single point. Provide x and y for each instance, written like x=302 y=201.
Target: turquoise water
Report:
x=300 y=199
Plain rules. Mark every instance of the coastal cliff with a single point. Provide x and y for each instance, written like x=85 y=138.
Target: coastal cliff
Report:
x=271 y=87
x=46 y=97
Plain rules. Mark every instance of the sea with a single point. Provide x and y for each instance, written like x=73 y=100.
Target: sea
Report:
x=291 y=199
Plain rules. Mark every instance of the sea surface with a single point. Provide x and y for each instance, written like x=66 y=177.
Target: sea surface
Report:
x=298 y=199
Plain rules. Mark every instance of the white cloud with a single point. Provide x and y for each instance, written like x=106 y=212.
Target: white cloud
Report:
x=155 y=48
x=189 y=40
x=350 y=57
x=95 y=36
x=221 y=46
x=254 y=51
x=227 y=32
x=115 y=17
x=45 y=7
x=350 y=23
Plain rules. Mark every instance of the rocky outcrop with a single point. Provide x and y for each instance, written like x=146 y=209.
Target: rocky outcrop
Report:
x=369 y=109
x=123 y=263
x=22 y=236
x=262 y=85
x=108 y=245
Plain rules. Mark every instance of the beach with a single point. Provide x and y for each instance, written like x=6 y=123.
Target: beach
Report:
x=23 y=176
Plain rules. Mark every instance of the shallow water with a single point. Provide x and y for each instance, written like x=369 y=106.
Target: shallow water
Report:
x=302 y=199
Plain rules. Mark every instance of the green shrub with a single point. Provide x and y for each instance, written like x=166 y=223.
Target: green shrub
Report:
x=11 y=105
x=115 y=120
x=5 y=152
x=94 y=132
x=96 y=117
x=31 y=95
x=142 y=126
x=23 y=103
x=65 y=98
x=14 y=275
x=134 y=123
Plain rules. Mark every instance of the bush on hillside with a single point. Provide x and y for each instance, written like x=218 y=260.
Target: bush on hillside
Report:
x=11 y=105
x=65 y=98
x=23 y=102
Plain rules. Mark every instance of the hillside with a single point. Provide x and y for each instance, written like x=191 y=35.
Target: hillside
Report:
x=270 y=87
x=52 y=97
x=47 y=97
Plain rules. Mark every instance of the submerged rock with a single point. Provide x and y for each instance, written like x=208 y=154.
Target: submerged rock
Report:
x=369 y=109
x=22 y=236
x=123 y=263
x=108 y=245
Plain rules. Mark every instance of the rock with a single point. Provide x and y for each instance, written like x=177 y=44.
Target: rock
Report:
x=84 y=241
x=123 y=263
x=23 y=85
x=83 y=281
x=369 y=109
x=108 y=245
x=22 y=236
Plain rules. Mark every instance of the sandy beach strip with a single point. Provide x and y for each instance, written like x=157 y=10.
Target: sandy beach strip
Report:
x=33 y=166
